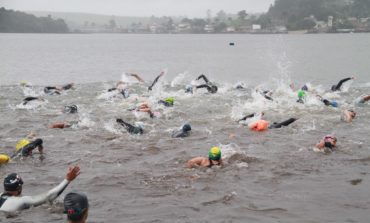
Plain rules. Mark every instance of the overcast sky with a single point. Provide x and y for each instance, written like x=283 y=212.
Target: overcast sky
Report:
x=190 y=8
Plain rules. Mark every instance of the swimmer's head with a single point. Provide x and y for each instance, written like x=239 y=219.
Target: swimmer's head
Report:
x=76 y=206
x=186 y=127
x=139 y=125
x=304 y=88
x=353 y=113
x=214 y=88
x=21 y=143
x=23 y=83
x=301 y=94
x=214 y=154
x=188 y=89
x=169 y=100
x=13 y=182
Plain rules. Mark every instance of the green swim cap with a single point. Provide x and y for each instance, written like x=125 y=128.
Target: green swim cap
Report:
x=301 y=94
x=214 y=154
x=169 y=100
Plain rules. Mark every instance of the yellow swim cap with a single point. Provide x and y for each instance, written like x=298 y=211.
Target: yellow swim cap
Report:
x=21 y=143
x=4 y=158
x=214 y=153
x=23 y=83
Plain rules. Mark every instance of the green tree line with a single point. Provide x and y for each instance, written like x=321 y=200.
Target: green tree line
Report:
x=292 y=13
x=20 y=22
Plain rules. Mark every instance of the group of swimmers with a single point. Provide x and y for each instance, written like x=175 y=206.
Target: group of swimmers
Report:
x=76 y=204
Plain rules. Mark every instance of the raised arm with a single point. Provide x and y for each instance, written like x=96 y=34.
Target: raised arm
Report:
x=52 y=194
x=137 y=77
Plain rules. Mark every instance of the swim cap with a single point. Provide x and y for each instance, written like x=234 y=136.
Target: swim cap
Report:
x=214 y=154
x=304 y=88
x=75 y=205
x=23 y=83
x=12 y=182
x=189 y=89
x=21 y=143
x=169 y=100
x=4 y=158
x=334 y=104
x=301 y=94
x=186 y=127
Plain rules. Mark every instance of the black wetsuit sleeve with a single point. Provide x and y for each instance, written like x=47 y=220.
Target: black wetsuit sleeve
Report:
x=130 y=128
x=204 y=86
x=67 y=87
x=341 y=82
x=204 y=78
x=50 y=88
x=112 y=89
x=26 y=100
x=154 y=82
x=245 y=117
x=284 y=123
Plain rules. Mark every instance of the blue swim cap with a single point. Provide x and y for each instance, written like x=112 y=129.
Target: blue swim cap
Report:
x=334 y=104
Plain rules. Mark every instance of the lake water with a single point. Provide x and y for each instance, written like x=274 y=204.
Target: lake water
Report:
x=272 y=176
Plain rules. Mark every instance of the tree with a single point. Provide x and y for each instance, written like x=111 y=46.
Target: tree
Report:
x=242 y=15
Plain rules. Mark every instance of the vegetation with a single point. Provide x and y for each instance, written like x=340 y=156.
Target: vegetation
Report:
x=294 y=14
x=20 y=22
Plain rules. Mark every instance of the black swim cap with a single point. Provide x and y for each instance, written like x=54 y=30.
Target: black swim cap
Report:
x=75 y=205
x=186 y=127
x=12 y=182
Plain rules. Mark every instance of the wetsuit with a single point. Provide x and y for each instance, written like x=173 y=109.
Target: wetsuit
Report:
x=124 y=92
x=183 y=132
x=165 y=103
x=247 y=116
x=27 y=149
x=281 y=124
x=67 y=86
x=51 y=90
x=339 y=85
x=130 y=128
x=70 y=109
x=211 y=88
x=28 y=99
x=264 y=93
x=10 y=203
x=154 y=82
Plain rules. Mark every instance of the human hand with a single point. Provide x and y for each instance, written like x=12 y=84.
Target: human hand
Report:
x=73 y=172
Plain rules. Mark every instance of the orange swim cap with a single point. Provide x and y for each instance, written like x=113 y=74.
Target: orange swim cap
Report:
x=259 y=125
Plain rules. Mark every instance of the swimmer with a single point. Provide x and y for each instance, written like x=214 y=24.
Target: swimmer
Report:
x=76 y=206
x=211 y=88
x=276 y=125
x=327 y=102
x=60 y=125
x=70 y=109
x=304 y=87
x=28 y=99
x=340 y=83
x=348 y=115
x=362 y=100
x=11 y=200
x=130 y=128
x=51 y=90
x=327 y=144
x=137 y=77
x=168 y=102
x=183 y=132
x=213 y=159
x=189 y=89
x=24 y=147
x=262 y=125
x=251 y=116
x=58 y=89
x=301 y=96
x=266 y=94
x=155 y=81
x=144 y=107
